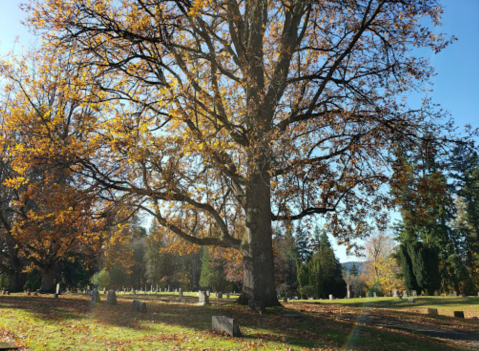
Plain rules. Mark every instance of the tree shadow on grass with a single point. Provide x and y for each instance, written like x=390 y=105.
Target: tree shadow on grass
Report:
x=314 y=329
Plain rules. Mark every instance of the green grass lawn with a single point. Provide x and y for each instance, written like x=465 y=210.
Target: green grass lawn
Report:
x=72 y=322
x=444 y=305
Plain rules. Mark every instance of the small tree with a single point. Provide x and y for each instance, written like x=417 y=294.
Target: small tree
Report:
x=101 y=279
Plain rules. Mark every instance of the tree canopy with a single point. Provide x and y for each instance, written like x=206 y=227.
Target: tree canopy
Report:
x=221 y=117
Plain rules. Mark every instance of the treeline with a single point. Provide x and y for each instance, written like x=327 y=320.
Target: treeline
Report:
x=438 y=234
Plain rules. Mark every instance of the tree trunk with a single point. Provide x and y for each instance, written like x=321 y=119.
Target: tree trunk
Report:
x=257 y=245
x=48 y=280
x=17 y=281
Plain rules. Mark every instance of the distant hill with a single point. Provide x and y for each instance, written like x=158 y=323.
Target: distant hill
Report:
x=359 y=265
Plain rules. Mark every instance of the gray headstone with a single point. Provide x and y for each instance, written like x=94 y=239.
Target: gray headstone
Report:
x=413 y=293
x=375 y=294
x=139 y=306
x=181 y=293
x=58 y=289
x=95 y=296
x=331 y=297
x=454 y=293
x=458 y=314
x=203 y=299
x=227 y=325
x=219 y=295
x=227 y=295
x=432 y=311
x=111 y=298
x=395 y=292
x=404 y=293
x=8 y=346
x=410 y=299
x=257 y=306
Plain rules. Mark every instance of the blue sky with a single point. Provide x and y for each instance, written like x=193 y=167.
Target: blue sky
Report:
x=456 y=86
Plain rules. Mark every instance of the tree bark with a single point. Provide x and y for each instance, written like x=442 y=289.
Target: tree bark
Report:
x=48 y=280
x=17 y=281
x=257 y=244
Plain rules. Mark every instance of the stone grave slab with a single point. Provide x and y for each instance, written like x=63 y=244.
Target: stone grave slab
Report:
x=458 y=314
x=4 y=346
x=432 y=311
x=139 y=306
x=410 y=299
x=203 y=298
x=111 y=298
x=95 y=296
x=227 y=325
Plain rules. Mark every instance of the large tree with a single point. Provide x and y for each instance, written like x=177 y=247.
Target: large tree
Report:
x=227 y=115
x=54 y=215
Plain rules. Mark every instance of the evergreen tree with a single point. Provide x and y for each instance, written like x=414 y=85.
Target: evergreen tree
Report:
x=212 y=272
x=407 y=268
x=321 y=275
x=353 y=270
x=303 y=249
x=427 y=209
x=465 y=174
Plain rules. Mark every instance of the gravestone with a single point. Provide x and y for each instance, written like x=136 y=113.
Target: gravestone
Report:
x=331 y=297
x=458 y=314
x=139 y=306
x=8 y=346
x=111 y=298
x=227 y=295
x=395 y=292
x=57 y=291
x=104 y=291
x=413 y=293
x=454 y=293
x=310 y=298
x=375 y=294
x=432 y=311
x=227 y=325
x=285 y=299
x=404 y=293
x=257 y=306
x=410 y=299
x=95 y=296
x=181 y=293
x=168 y=287
x=219 y=295
x=203 y=299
